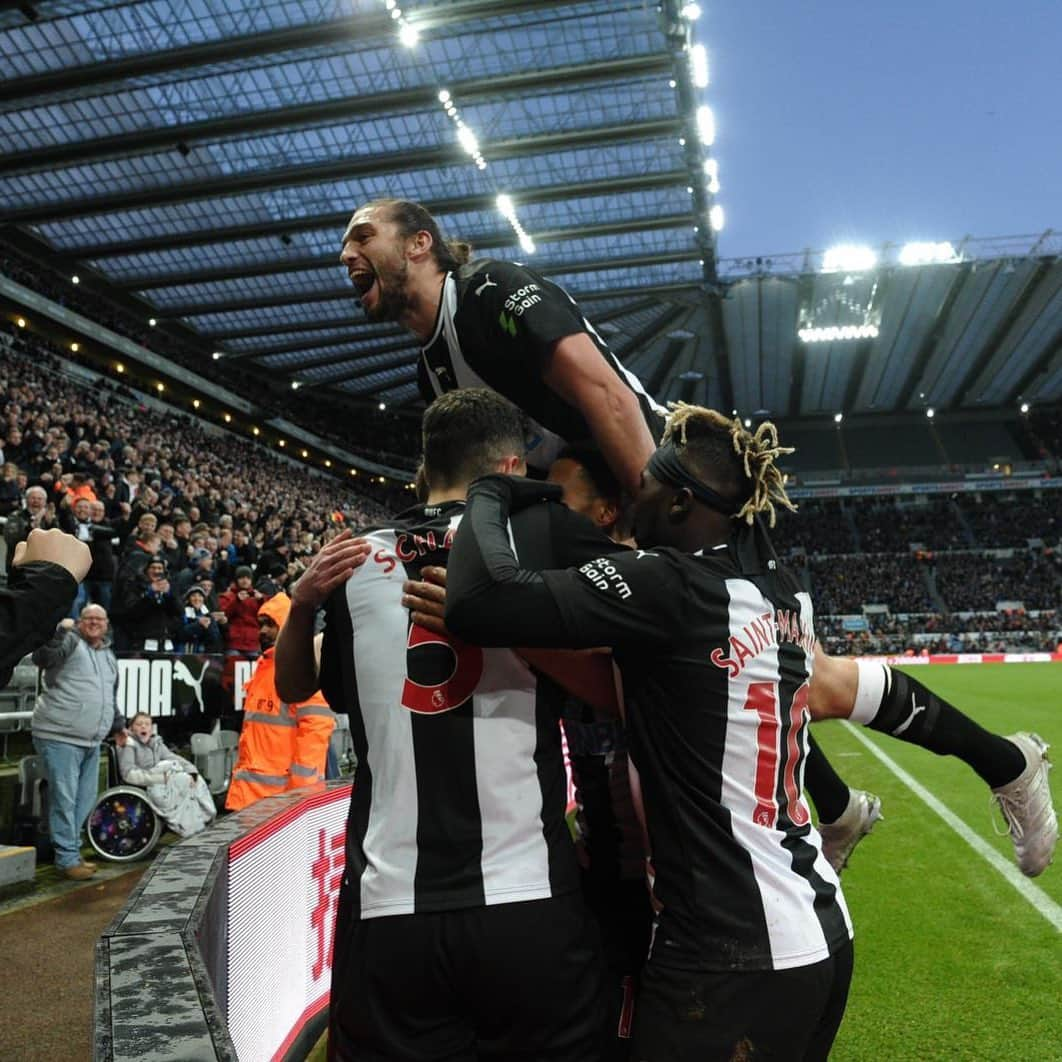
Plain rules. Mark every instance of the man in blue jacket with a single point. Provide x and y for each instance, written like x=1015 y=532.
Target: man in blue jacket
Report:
x=75 y=712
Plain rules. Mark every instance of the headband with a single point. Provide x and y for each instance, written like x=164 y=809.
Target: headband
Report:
x=666 y=467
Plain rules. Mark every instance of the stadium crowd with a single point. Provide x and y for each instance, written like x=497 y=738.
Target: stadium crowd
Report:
x=165 y=506
x=384 y=436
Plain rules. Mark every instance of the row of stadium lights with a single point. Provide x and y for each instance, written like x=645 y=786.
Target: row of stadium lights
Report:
x=705 y=120
x=408 y=36
x=160 y=388
x=857 y=258
x=930 y=413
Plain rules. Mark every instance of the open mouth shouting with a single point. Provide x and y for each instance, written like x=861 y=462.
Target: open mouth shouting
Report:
x=364 y=280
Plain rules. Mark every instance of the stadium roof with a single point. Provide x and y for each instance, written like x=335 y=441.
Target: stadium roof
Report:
x=205 y=157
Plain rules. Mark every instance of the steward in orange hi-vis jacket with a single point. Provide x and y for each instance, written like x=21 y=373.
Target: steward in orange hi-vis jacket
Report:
x=282 y=746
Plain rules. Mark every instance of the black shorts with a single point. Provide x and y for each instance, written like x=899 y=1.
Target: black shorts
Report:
x=515 y=981
x=693 y=1016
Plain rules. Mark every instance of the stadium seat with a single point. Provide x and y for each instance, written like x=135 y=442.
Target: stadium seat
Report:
x=343 y=745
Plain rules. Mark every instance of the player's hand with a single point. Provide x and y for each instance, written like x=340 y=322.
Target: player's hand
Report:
x=334 y=565
x=519 y=491
x=66 y=624
x=426 y=600
x=56 y=547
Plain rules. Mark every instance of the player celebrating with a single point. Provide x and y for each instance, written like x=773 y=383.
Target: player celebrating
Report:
x=501 y=325
x=462 y=932
x=752 y=952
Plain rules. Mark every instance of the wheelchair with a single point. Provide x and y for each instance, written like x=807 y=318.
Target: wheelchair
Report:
x=124 y=826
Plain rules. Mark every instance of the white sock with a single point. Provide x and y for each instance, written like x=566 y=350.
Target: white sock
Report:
x=872 y=684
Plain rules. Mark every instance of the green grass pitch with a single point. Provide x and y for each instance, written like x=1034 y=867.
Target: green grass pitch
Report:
x=951 y=961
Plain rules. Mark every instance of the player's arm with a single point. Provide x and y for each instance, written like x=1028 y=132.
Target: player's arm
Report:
x=492 y=601
x=834 y=684
x=583 y=378
x=297 y=659
x=584 y=673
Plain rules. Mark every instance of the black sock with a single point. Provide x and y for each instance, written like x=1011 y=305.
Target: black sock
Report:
x=826 y=786
x=913 y=713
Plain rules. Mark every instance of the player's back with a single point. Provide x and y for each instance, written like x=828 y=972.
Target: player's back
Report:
x=460 y=794
x=718 y=717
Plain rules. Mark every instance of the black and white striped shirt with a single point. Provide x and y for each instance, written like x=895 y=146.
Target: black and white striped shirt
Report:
x=496 y=327
x=460 y=794
x=716 y=653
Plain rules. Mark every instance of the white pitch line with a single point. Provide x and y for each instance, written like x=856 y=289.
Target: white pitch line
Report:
x=1036 y=896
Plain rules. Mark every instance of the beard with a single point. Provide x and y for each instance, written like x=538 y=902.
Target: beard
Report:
x=392 y=298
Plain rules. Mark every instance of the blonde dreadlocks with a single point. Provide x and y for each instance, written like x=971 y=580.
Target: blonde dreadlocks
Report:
x=756 y=453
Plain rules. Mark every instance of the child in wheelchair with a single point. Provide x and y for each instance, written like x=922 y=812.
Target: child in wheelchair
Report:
x=173 y=784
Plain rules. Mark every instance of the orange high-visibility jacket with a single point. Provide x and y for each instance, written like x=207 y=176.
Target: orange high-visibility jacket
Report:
x=282 y=746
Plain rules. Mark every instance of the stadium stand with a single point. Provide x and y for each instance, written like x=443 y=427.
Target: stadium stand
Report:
x=65 y=426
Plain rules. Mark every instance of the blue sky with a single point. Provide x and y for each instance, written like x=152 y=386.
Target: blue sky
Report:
x=872 y=122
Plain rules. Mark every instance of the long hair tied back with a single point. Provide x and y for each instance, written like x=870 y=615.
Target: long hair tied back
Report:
x=757 y=452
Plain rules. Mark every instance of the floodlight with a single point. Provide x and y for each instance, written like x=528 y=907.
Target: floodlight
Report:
x=280 y=442
x=152 y=322
x=699 y=65
x=691 y=12
x=444 y=96
x=383 y=405
x=849 y=258
x=748 y=423
x=217 y=355
x=833 y=333
x=924 y=253
x=75 y=279
x=931 y=412
x=328 y=464
x=409 y=34
x=256 y=430
x=119 y=367
x=467 y=139
x=716 y=218
x=295 y=385
x=305 y=453
x=711 y=171
x=75 y=347
x=160 y=387
x=505 y=205
x=1025 y=407
x=706 y=125
x=838 y=417
x=21 y=322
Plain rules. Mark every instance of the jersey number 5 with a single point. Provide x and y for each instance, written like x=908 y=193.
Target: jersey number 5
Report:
x=441 y=673
x=762 y=698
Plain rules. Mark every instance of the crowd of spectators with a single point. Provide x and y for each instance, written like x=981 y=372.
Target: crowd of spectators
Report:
x=992 y=520
x=389 y=436
x=843 y=585
x=186 y=526
x=894 y=528
x=818 y=526
x=982 y=632
x=975 y=581
x=1000 y=523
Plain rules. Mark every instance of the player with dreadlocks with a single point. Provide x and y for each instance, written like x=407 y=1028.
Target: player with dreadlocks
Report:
x=715 y=642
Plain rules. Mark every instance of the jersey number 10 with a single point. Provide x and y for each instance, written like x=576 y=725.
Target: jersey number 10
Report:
x=762 y=698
